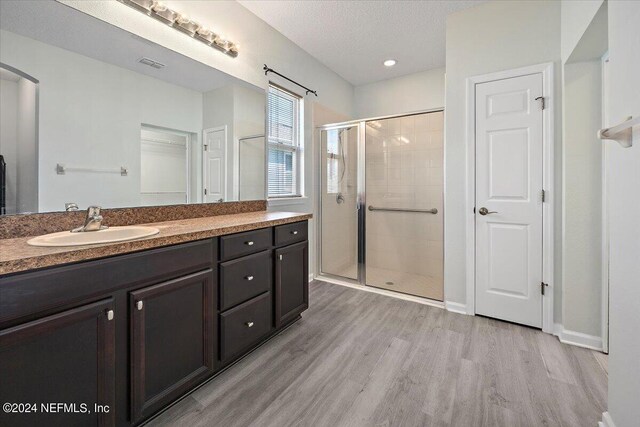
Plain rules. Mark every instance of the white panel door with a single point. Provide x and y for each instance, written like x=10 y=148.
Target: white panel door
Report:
x=509 y=172
x=214 y=165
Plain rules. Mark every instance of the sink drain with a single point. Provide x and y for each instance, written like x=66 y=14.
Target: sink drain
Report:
x=388 y=283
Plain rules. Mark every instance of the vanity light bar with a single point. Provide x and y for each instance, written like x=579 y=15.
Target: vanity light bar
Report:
x=183 y=23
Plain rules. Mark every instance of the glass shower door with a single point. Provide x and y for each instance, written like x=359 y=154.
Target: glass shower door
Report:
x=404 y=193
x=339 y=197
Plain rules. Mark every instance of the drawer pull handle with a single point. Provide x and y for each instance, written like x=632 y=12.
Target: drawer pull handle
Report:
x=294 y=232
x=249 y=243
x=249 y=324
x=249 y=278
x=109 y=314
x=139 y=305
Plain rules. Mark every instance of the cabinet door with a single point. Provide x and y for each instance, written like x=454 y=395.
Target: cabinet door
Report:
x=292 y=282
x=67 y=358
x=173 y=340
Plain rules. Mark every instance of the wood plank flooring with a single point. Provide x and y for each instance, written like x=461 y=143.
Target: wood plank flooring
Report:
x=362 y=359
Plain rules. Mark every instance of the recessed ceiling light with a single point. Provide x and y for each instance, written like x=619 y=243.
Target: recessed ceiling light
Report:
x=390 y=62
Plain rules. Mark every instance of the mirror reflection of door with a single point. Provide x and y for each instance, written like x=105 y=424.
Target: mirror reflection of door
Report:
x=214 y=164
x=164 y=166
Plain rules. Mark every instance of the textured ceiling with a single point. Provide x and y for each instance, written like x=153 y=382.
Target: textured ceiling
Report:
x=353 y=38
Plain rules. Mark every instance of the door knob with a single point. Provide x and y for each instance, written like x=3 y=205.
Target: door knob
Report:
x=485 y=211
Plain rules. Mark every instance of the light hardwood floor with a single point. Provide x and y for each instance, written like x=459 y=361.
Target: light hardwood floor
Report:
x=362 y=359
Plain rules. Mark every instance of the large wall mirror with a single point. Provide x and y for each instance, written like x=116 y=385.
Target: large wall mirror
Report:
x=94 y=115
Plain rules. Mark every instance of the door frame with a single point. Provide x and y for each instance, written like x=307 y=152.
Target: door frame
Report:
x=604 y=60
x=204 y=160
x=191 y=136
x=547 y=71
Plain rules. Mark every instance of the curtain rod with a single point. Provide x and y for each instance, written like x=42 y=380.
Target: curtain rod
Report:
x=271 y=70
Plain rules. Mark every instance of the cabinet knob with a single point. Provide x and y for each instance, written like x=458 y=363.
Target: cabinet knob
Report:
x=139 y=305
x=109 y=314
x=249 y=243
x=294 y=232
x=249 y=278
x=249 y=324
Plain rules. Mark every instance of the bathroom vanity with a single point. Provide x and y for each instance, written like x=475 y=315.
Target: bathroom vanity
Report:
x=119 y=338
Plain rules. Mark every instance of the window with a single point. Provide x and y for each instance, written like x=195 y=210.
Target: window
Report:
x=284 y=143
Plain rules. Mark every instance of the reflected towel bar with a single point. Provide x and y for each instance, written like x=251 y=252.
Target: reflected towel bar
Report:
x=62 y=170
x=431 y=211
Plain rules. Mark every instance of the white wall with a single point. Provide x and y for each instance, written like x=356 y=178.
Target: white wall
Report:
x=122 y=98
x=27 y=183
x=623 y=165
x=9 y=138
x=406 y=94
x=576 y=17
x=491 y=37
x=582 y=198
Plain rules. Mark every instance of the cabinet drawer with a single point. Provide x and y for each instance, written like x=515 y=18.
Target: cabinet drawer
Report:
x=250 y=242
x=291 y=233
x=244 y=278
x=244 y=326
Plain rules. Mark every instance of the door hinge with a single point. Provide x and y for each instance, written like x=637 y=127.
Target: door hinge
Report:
x=205 y=147
x=205 y=191
x=542 y=286
x=543 y=196
x=542 y=103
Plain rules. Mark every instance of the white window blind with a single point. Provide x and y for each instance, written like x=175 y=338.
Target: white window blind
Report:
x=284 y=145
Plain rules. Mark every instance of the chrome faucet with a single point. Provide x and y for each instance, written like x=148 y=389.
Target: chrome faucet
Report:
x=93 y=221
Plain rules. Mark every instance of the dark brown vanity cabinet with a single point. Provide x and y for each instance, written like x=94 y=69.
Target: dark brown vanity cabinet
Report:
x=133 y=333
x=66 y=358
x=173 y=340
x=291 y=282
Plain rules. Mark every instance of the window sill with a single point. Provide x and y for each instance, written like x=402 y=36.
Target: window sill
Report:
x=285 y=201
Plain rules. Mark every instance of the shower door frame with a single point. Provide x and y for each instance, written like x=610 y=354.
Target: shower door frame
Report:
x=361 y=199
x=359 y=202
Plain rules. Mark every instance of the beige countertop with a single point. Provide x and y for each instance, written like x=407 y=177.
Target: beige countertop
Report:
x=16 y=255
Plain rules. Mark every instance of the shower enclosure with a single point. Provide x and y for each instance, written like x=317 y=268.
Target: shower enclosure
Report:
x=381 y=213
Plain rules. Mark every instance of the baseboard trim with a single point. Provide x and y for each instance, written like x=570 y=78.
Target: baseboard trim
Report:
x=455 y=307
x=606 y=421
x=578 y=339
x=311 y=277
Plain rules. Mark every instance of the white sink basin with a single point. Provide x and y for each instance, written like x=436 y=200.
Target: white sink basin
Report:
x=108 y=235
